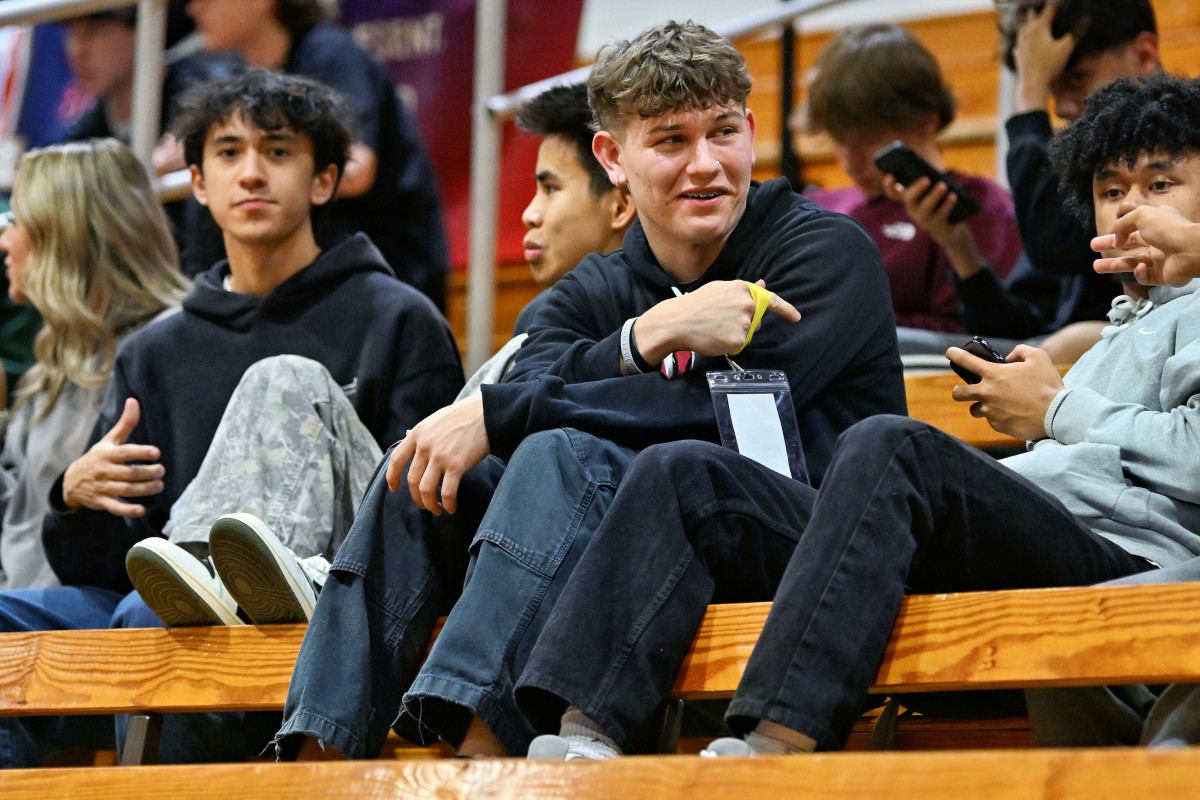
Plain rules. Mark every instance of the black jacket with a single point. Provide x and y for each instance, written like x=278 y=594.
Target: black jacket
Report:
x=380 y=340
x=1057 y=242
x=841 y=358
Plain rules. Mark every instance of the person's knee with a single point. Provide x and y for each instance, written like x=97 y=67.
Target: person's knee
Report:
x=288 y=367
x=882 y=431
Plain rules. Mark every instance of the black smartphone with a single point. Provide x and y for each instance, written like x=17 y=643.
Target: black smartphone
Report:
x=978 y=346
x=899 y=161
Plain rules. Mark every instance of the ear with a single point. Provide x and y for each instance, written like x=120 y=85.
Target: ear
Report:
x=324 y=184
x=607 y=151
x=198 y=190
x=622 y=210
x=1145 y=50
x=751 y=127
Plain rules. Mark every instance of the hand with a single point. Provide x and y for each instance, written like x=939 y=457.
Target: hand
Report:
x=101 y=477
x=1162 y=246
x=441 y=448
x=1013 y=397
x=930 y=211
x=1039 y=57
x=712 y=320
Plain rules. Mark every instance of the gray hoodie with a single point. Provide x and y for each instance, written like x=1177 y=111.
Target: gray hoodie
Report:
x=1123 y=452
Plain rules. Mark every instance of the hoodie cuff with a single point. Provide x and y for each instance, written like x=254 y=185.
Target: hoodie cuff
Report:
x=1052 y=411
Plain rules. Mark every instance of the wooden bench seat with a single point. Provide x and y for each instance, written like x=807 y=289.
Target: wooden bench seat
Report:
x=980 y=775
x=978 y=640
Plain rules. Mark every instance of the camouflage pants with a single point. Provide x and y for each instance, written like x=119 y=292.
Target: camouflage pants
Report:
x=291 y=450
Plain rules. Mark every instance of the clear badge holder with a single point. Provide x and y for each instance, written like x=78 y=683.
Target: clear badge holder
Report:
x=756 y=418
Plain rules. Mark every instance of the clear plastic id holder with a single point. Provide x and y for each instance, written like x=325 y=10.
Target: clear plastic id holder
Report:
x=756 y=418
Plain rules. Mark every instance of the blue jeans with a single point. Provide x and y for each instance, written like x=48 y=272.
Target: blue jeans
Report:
x=400 y=568
x=26 y=741
x=903 y=508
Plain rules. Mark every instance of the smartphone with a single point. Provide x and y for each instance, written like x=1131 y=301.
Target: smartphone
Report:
x=899 y=161
x=978 y=346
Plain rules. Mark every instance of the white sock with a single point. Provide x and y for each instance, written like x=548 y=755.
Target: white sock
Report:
x=584 y=737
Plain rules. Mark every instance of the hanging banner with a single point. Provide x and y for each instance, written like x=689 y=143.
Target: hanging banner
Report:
x=428 y=46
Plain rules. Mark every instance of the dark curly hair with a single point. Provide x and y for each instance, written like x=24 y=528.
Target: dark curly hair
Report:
x=1120 y=123
x=563 y=111
x=1099 y=24
x=270 y=101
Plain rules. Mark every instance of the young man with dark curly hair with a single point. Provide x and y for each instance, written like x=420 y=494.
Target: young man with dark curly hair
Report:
x=616 y=361
x=1062 y=52
x=1107 y=489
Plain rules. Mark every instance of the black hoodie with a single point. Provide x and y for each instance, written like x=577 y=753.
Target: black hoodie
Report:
x=840 y=359
x=381 y=340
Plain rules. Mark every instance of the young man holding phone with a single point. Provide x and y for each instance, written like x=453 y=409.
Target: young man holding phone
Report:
x=874 y=84
x=1105 y=491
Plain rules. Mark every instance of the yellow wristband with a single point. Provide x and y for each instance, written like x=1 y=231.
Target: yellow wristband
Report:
x=762 y=300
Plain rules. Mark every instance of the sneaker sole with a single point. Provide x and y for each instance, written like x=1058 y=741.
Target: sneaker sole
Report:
x=250 y=568
x=172 y=595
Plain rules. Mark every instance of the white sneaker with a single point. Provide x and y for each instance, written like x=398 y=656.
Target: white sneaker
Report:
x=727 y=747
x=270 y=583
x=178 y=587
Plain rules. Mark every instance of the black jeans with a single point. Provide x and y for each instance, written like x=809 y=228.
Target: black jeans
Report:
x=903 y=508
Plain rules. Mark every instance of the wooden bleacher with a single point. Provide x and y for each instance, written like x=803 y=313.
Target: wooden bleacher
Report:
x=1028 y=775
x=1078 y=636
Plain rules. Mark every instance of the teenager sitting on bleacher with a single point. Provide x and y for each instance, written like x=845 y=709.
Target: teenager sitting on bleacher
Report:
x=874 y=84
x=366 y=358
x=1161 y=247
x=1107 y=489
x=607 y=370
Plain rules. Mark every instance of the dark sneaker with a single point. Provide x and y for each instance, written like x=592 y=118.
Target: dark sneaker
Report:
x=269 y=582
x=178 y=587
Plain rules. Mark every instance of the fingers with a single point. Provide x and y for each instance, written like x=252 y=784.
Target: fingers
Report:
x=119 y=509
x=979 y=366
x=1117 y=264
x=402 y=453
x=783 y=308
x=449 y=500
x=128 y=421
x=1106 y=242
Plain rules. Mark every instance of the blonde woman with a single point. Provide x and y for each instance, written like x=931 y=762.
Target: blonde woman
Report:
x=87 y=244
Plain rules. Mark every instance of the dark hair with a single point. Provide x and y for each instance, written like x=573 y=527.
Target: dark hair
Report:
x=563 y=111
x=1099 y=25
x=670 y=66
x=876 y=78
x=270 y=101
x=1120 y=123
x=126 y=15
x=298 y=16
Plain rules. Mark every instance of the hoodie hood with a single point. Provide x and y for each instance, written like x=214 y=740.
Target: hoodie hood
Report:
x=210 y=299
